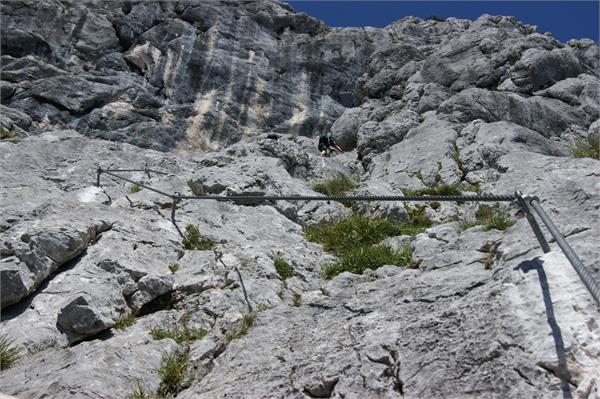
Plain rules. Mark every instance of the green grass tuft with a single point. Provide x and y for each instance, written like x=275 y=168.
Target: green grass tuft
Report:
x=442 y=189
x=489 y=218
x=243 y=328
x=135 y=189
x=139 y=393
x=193 y=240
x=297 y=299
x=369 y=257
x=284 y=269
x=9 y=352
x=338 y=186
x=179 y=332
x=7 y=134
x=174 y=267
x=498 y=221
x=419 y=220
x=124 y=321
x=353 y=241
x=175 y=374
x=585 y=148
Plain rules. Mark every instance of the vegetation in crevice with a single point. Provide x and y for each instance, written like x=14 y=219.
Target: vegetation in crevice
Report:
x=283 y=268
x=175 y=373
x=442 y=189
x=180 y=332
x=418 y=220
x=334 y=187
x=245 y=326
x=9 y=352
x=354 y=241
x=125 y=321
x=489 y=218
x=296 y=299
x=338 y=186
x=194 y=241
x=7 y=134
x=488 y=261
x=139 y=393
x=135 y=188
x=174 y=267
x=585 y=148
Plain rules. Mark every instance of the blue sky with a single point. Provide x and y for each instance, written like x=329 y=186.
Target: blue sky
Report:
x=564 y=19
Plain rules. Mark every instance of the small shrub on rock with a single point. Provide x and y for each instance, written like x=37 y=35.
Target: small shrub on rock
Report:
x=9 y=352
x=498 y=221
x=418 y=220
x=193 y=240
x=284 y=269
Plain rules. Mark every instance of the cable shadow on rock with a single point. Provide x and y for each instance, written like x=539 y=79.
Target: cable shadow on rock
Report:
x=562 y=370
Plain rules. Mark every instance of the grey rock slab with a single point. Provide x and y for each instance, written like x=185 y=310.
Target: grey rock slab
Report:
x=484 y=144
x=376 y=137
x=76 y=94
x=426 y=150
x=47 y=249
x=110 y=368
x=549 y=117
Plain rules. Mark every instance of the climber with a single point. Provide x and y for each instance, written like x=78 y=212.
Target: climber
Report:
x=326 y=144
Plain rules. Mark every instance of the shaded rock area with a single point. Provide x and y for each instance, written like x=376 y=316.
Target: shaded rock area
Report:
x=99 y=291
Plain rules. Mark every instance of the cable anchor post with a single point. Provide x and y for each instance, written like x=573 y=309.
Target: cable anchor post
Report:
x=175 y=199
x=98 y=173
x=524 y=204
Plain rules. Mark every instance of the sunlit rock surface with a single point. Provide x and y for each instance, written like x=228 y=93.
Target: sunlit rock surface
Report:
x=488 y=105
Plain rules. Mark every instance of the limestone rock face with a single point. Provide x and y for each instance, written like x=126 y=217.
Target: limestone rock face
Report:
x=171 y=76
x=99 y=291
